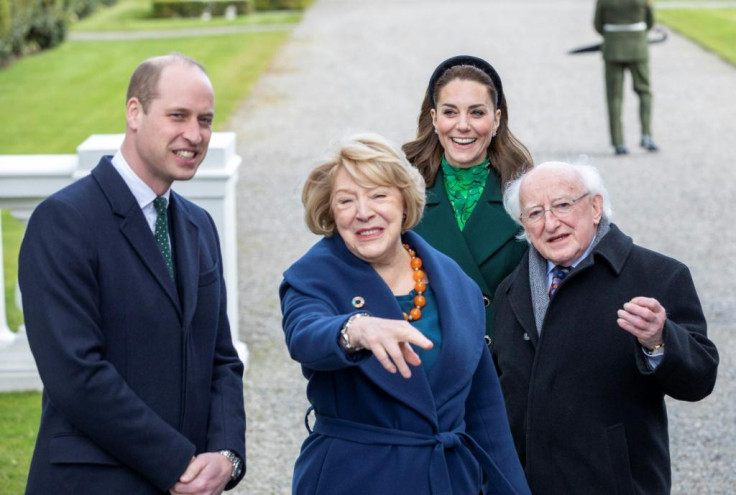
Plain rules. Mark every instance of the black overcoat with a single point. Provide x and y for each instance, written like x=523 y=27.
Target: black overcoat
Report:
x=587 y=414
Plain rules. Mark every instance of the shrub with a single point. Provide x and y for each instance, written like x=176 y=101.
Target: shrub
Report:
x=27 y=26
x=46 y=29
x=280 y=4
x=80 y=8
x=195 y=8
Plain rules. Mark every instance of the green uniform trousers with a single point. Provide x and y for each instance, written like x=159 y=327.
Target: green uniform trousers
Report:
x=614 y=93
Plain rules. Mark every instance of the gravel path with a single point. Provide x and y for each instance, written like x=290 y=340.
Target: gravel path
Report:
x=363 y=65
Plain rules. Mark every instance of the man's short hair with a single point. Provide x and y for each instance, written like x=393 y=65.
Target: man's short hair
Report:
x=144 y=81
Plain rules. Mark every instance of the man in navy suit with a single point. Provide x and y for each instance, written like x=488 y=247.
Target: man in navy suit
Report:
x=125 y=308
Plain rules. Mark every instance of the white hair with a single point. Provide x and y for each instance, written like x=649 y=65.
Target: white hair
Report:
x=589 y=177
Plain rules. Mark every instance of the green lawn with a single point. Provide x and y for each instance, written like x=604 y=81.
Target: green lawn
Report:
x=58 y=98
x=19 y=415
x=714 y=29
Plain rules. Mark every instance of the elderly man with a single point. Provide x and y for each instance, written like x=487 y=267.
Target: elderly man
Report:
x=592 y=331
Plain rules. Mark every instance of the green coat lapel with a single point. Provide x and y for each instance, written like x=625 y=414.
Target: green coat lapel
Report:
x=486 y=232
x=439 y=228
x=489 y=227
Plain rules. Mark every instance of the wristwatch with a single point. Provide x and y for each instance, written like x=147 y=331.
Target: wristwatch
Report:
x=236 y=462
x=656 y=350
x=345 y=339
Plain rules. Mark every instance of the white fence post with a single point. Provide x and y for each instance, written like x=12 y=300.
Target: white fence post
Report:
x=25 y=180
x=6 y=336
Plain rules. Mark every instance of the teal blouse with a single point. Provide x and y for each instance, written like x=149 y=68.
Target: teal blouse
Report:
x=428 y=324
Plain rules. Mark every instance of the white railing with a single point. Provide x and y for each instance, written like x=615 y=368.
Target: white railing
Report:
x=26 y=180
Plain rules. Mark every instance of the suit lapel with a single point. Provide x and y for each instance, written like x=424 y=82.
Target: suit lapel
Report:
x=186 y=251
x=487 y=230
x=519 y=298
x=489 y=227
x=133 y=226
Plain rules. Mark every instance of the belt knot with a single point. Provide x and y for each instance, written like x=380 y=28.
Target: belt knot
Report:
x=448 y=439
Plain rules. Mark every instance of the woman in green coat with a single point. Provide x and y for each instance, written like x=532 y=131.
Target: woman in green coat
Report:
x=466 y=154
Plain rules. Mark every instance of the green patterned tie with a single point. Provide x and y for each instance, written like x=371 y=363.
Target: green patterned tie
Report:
x=162 y=232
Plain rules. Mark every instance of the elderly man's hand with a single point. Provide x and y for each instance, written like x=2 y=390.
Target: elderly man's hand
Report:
x=389 y=341
x=643 y=317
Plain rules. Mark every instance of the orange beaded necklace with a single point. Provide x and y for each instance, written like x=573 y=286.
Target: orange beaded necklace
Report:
x=419 y=286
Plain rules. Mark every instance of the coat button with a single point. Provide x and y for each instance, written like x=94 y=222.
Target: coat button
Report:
x=486 y=301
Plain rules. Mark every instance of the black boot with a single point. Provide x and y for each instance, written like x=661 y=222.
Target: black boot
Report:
x=648 y=143
x=621 y=150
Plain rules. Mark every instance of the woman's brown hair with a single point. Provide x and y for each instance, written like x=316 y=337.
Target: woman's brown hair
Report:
x=508 y=156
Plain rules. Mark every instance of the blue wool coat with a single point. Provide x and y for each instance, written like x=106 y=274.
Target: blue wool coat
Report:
x=378 y=433
x=139 y=372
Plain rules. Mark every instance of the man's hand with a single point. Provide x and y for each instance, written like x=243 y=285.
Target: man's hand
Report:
x=643 y=317
x=207 y=474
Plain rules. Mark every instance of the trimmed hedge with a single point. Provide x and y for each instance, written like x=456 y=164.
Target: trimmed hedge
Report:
x=195 y=8
x=27 y=26
x=280 y=4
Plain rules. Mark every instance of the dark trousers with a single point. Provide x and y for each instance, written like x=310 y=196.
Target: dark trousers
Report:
x=614 y=95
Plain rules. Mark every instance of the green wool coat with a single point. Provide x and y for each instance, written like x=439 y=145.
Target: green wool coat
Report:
x=486 y=249
x=624 y=46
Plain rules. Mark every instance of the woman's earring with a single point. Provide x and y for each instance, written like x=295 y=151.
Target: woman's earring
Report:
x=494 y=133
x=436 y=131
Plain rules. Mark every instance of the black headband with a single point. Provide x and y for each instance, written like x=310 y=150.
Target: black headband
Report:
x=476 y=62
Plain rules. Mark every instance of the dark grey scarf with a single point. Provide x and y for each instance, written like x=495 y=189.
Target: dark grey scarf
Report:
x=538 y=275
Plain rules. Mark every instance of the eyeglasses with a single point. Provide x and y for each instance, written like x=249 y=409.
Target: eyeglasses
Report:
x=560 y=208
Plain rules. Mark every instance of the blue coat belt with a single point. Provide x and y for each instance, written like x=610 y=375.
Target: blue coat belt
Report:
x=445 y=440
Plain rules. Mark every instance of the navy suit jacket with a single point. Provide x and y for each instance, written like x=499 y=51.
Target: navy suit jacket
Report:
x=379 y=433
x=139 y=371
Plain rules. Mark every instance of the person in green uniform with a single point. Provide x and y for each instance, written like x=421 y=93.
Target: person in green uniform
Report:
x=466 y=154
x=624 y=25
